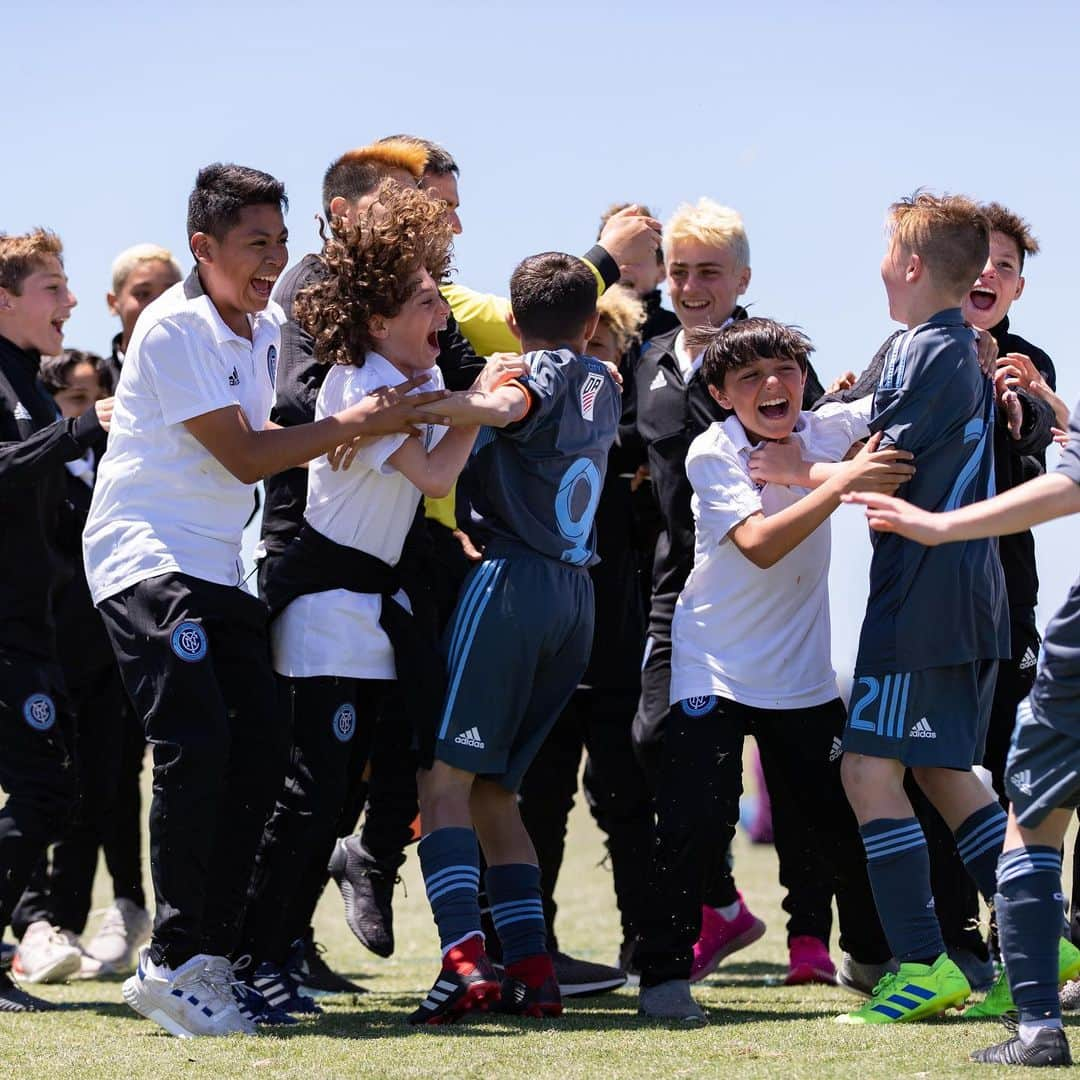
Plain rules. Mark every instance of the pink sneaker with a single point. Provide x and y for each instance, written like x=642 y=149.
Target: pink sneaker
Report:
x=808 y=962
x=720 y=937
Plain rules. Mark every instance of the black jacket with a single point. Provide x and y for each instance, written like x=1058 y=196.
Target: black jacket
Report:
x=34 y=445
x=670 y=414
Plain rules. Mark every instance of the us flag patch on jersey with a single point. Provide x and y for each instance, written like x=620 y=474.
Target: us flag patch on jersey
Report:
x=589 y=389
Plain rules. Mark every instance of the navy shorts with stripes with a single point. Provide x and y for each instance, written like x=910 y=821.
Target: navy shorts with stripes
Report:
x=936 y=717
x=516 y=649
x=1043 y=768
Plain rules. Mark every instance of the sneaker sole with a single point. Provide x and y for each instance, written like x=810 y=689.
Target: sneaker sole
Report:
x=600 y=986
x=803 y=975
x=158 y=1016
x=747 y=937
x=60 y=970
x=682 y=1021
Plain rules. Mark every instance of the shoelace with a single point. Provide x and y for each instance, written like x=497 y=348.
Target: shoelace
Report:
x=379 y=872
x=216 y=990
x=224 y=978
x=112 y=921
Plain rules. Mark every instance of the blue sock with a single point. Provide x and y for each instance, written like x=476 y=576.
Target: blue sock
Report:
x=513 y=891
x=979 y=841
x=1028 y=905
x=898 y=866
x=450 y=863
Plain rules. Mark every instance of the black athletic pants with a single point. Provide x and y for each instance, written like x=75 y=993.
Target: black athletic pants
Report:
x=698 y=809
x=333 y=720
x=60 y=890
x=37 y=770
x=195 y=660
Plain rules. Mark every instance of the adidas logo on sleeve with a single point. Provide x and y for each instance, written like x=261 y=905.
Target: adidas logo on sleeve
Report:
x=470 y=738
x=921 y=729
x=1022 y=781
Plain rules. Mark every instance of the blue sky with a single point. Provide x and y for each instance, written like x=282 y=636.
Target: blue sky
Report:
x=809 y=119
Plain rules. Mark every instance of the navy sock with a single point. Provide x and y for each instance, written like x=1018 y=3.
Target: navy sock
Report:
x=513 y=890
x=450 y=863
x=979 y=841
x=1028 y=905
x=898 y=866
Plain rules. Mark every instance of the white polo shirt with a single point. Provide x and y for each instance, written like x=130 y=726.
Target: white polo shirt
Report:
x=370 y=507
x=163 y=503
x=759 y=637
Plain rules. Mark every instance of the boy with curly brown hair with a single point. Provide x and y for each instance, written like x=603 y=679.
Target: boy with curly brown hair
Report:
x=344 y=640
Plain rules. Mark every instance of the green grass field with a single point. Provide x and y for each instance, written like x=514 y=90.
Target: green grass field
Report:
x=756 y=1029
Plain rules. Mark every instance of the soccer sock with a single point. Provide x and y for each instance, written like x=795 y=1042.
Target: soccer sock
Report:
x=898 y=866
x=1028 y=904
x=979 y=841
x=517 y=910
x=450 y=863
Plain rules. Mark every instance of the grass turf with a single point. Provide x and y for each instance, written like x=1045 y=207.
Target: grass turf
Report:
x=757 y=1028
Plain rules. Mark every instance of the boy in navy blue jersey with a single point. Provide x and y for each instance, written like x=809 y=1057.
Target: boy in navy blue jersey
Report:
x=923 y=682
x=1043 y=769
x=525 y=615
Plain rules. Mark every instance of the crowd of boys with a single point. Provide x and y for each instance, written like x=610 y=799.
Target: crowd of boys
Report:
x=498 y=533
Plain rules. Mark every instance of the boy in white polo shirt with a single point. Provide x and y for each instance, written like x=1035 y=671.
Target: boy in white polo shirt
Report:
x=342 y=625
x=162 y=550
x=751 y=643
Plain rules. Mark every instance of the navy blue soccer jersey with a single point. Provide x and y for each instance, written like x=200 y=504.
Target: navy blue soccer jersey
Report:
x=938 y=606
x=539 y=480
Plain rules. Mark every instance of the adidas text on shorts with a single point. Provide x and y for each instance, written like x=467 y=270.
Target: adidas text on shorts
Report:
x=936 y=717
x=1043 y=768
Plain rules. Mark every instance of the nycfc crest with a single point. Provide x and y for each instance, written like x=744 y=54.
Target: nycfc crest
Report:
x=39 y=712
x=344 y=722
x=698 y=706
x=271 y=364
x=189 y=642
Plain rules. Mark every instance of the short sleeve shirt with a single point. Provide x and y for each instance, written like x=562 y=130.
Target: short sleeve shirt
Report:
x=163 y=503
x=370 y=507
x=757 y=636
x=1055 y=697
x=538 y=481
x=937 y=606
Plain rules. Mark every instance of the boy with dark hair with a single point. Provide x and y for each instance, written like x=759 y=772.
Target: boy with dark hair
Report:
x=923 y=684
x=37 y=771
x=538 y=483
x=1044 y=759
x=751 y=644
x=165 y=575
x=59 y=893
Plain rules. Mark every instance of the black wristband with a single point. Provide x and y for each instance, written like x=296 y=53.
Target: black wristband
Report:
x=608 y=267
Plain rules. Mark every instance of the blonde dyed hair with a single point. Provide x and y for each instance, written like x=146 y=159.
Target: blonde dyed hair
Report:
x=707 y=222
x=624 y=314
x=129 y=258
x=22 y=255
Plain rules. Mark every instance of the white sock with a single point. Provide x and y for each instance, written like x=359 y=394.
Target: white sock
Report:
x=1028 y=1030
x=728 y=913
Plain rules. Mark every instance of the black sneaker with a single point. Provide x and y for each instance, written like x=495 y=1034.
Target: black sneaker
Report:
x=582 y=978
x=520 y=999
x=454 y=995
x=14 y=1000
x=281 y=991
x=254 y=1007
x=367 y=887
x=311 y=973
x=1049 y=1047
x=7 y=954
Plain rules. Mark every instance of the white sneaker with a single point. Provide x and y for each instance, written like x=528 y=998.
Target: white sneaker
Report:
x=195 y=999
x=45 y=955
x=89 y=968
x=123 y=931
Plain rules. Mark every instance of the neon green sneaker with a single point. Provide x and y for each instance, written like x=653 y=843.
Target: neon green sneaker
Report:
x=999 y=1000
x=914 y=992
